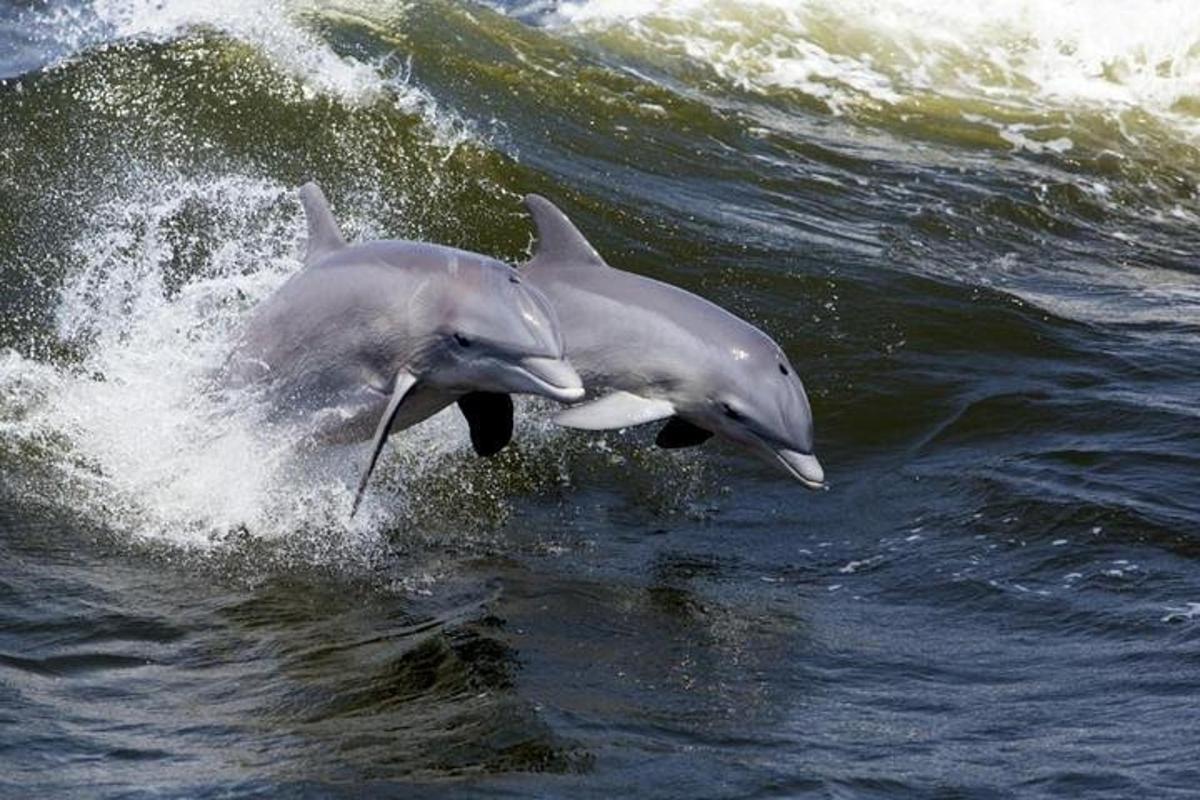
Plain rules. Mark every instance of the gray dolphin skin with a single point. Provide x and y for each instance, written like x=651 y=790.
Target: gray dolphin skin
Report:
x=374 y=337
x=653 y=351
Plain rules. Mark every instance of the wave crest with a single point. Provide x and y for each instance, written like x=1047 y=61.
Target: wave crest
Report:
x=1109 y=54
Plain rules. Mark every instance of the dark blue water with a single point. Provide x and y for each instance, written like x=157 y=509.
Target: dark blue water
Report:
x=989 y=285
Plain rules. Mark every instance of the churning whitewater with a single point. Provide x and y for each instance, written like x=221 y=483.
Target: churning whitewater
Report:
x=971 y=228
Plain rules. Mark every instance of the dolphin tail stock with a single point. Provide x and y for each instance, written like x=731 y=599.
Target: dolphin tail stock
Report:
x=324 y=236
x=405 y=381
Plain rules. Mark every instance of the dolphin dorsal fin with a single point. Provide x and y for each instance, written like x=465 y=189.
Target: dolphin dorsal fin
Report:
x=323 y=234
x=558 y=240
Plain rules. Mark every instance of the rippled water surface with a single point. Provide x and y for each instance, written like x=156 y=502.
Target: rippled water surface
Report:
x=972 y=226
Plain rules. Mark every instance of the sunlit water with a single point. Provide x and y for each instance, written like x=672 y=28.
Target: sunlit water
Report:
x=972 y=226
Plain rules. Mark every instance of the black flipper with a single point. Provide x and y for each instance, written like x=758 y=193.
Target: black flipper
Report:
x=490 y=416
x=678 y=432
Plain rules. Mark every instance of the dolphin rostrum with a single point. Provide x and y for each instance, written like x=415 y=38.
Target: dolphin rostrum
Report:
x=379 y=335
x=656 y=352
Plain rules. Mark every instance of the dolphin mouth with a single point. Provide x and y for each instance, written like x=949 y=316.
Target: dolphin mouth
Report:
x=804 y=467
x=553 y=377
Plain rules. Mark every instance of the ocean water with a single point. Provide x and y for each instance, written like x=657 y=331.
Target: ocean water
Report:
x=973 y=227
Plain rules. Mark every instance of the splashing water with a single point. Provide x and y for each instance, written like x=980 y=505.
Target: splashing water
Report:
x=135 y=435
x=144 y=435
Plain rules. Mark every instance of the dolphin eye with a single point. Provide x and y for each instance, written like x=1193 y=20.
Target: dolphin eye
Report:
x=732 y=412
x=514 y=279
x=462 y=340
x=784 y=370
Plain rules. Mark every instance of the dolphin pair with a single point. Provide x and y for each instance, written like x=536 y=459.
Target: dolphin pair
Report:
x=383 y=334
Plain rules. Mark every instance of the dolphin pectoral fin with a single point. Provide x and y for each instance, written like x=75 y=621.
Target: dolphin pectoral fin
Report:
x=323 y=234
x=678 y=432
x=616 y=410
x=405 y=381
x=558 y=240
x=490 y=415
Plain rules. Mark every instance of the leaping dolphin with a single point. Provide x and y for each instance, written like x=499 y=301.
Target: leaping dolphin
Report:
x=383 y=334
x=655 y=352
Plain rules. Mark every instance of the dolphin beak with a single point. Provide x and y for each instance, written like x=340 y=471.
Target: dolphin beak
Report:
x=803 y=467
x=553 y=377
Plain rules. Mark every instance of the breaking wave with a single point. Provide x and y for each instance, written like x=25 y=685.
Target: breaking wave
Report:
x=1023 y=55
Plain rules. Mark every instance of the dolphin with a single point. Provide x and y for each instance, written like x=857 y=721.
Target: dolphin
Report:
x=379 y=335
x=653 y=351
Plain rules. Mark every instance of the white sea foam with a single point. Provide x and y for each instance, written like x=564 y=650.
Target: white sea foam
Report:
x=268 y=24
x=1185 y=613
x=272 y=26
x=279 y=30
x=1071 y=52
